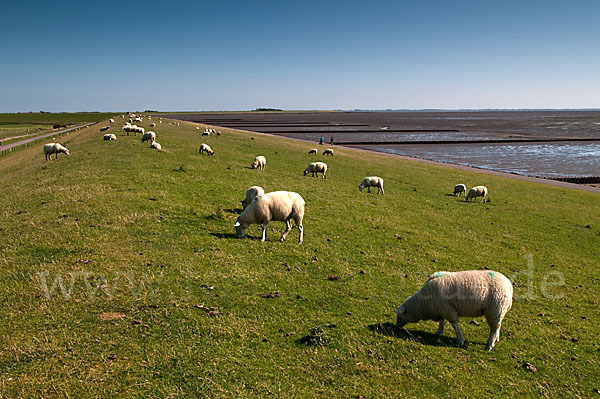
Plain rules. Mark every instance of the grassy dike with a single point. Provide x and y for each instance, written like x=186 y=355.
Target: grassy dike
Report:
x=139 y=237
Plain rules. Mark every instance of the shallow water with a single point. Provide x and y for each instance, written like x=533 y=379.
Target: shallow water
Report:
x=545 y=160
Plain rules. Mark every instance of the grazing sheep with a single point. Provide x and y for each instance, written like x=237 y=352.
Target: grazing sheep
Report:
x=218 y=133
x=315 y=168
x=373 y=181
x=54 y=148
x=328 y=151
x=137 y=130
x=130 y=128
x=259 y=163
x=460 y=189
x=282 y=206
x=149 y=136
x=312 y=151
x=138 y=119
x=111 y=120
x=110 y=136
x=205 y=133
x=252 y=193
x=153 y=124
x=155 y=145
x=448 y=296
x=478 y=191
x=206 y=148
x=104 y=129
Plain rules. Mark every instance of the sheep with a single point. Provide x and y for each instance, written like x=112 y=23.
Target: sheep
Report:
x=448 y=296
x=138 y=119
x=205 y=133
x=155 y=145
x=111 y=120
x=149 y=136
x=460 y=189
x=478 y=191
x=129 y=128
x=328 y=151
x=197 y=127
x=282 y=206
x=54 y=148
x=110 y=136
x=315 y=168
x=218 y=133
x=372 y=181
x=153 y=124
x=137 y=130
x=252 y=193
x=206 y=148
x=104 y=129
x=259 y=163
x=312 y=151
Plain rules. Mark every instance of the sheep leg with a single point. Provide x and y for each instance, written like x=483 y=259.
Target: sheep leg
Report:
x=301 y=234
x=483 y=198
x=440 y=330
x=288 y=227
x=460 y=340
x=494 y=336
x=369 y=189
x=264 y=232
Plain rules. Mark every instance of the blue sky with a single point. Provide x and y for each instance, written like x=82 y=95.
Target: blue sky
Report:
x=75 y=56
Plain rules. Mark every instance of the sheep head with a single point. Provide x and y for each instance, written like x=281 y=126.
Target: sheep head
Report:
x=240 y=228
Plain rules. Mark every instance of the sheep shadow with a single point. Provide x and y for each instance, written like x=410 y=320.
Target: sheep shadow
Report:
x=422 y=337
x=234 y=236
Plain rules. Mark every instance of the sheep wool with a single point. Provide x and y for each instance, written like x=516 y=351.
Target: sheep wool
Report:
x=448 y=296
x=281 y=206
x=315 y=168
x=372 y=181
x=478 y=191
x=259 y=163
x=460 y=189
x=252 y=193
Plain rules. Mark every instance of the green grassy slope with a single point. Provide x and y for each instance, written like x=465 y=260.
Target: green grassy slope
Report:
x=139 y=237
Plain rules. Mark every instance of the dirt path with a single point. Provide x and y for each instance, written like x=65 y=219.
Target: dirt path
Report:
x=21 y=142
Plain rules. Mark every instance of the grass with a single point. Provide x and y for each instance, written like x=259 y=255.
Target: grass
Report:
x=160 y=300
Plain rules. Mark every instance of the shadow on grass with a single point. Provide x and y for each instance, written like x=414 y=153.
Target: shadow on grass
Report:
x=236 y=210
x=422 y=337
x=233 y=235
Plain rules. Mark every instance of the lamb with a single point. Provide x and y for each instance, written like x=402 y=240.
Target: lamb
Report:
x=252 y=193
x=373 y=181
x=460 y=189
x=110 y=136
x=54 y=148
x=149 y=136
x=328 y=151
x=104 y=129
x=478 y=191
x=206 y=148
x=315 y=168
x=448 y=296
x=155 y=145
x=259 y=163
x=282 y=206
x=111 y=120
x=312 y=151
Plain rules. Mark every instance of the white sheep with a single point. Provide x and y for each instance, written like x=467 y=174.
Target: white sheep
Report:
x=282 y=206
x=130 y=128
x=372 y=181
x=153 y=124
x=259 y=163
x=138 y=119
x=137 y=130
x=111 y=120
x=54 y=148
x=478 y=191
x=312 y=151
x=315 y=168
x=460 y=189
x=448 y=296
x=104 y=129
x=328 y=151
x=206 y=148
x=218 y=133
x=149 y=136
x=110 y=136
x=252 y=193
x=155 y=145
x=205 y=133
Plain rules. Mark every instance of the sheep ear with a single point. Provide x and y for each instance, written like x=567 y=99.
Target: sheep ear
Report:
x=237 y=224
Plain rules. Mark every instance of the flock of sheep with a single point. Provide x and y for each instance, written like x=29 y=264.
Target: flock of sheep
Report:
x=445 y=295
